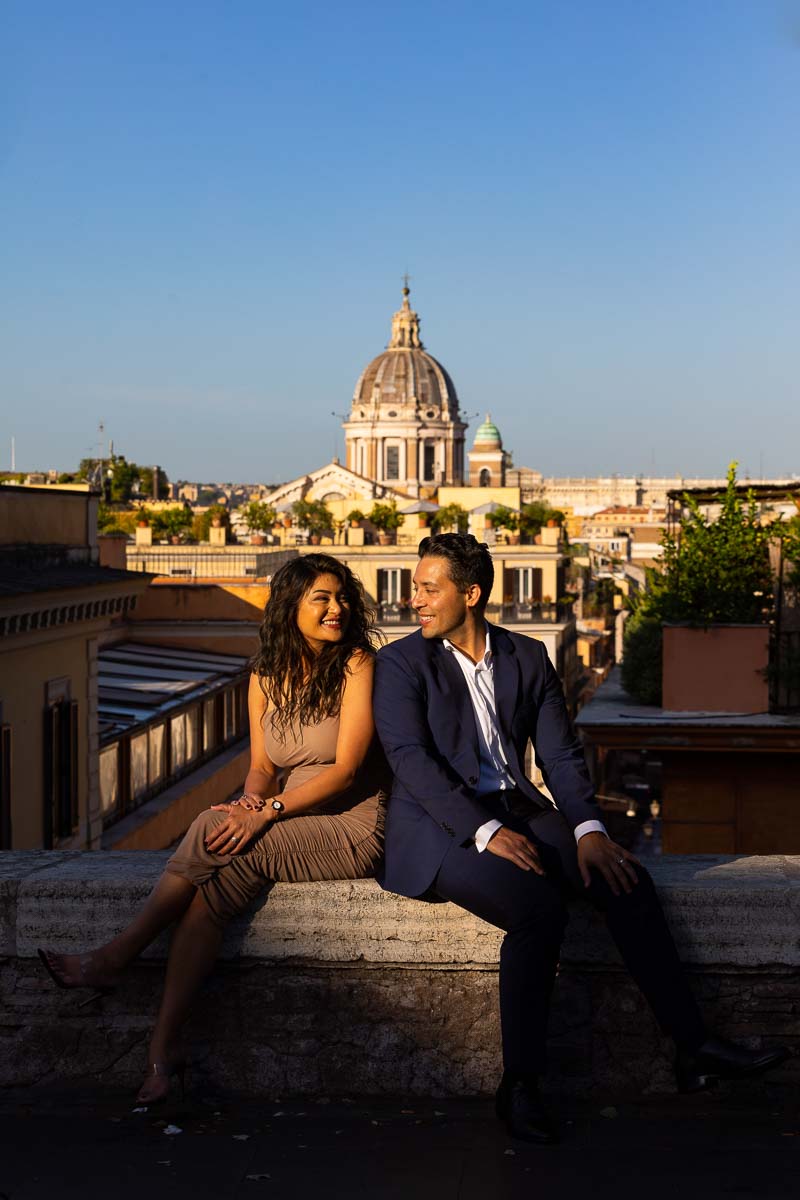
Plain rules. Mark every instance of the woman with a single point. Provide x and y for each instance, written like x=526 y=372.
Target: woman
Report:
x=310 y=704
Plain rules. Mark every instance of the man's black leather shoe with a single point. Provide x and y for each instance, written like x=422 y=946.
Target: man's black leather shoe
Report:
x=519 y=1106
x=718 y=1058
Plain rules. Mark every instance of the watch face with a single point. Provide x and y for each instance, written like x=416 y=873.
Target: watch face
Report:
x=276 y=804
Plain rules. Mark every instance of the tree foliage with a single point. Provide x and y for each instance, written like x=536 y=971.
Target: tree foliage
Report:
x=503 y=517
x=314 y=516
x=201 y=522
x=171 y=522
x=385 y=517
x=126 y=481
x=536 y=514
x=260 y=516
x=713 y=571
x=451 y=518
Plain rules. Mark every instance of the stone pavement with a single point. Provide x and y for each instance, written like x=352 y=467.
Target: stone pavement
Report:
x=86 y=1143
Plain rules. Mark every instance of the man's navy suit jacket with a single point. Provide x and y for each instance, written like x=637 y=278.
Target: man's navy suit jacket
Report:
x=426 y=723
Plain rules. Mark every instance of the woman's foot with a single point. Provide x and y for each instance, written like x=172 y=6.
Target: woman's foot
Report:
x=158 y=1081
x=79 y=971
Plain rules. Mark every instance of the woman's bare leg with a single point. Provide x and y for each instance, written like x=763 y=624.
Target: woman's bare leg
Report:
x=192 y=953
x=168 y=901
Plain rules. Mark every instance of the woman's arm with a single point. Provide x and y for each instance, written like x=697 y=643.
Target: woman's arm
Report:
x=263 y=779
x=356 y=730
x=261 y=783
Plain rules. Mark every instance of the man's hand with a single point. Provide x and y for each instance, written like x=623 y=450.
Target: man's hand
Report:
x=235 y=834
x=596 y=851
x=505 y=843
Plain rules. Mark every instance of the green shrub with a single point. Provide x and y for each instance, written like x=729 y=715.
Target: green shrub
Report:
x=641 y=663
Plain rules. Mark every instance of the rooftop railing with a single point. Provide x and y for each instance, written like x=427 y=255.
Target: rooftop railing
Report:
x=536 y=612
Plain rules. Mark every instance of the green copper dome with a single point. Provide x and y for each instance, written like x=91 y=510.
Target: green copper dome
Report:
x=488 y=432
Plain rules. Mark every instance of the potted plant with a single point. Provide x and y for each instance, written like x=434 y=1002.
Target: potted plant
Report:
x=315 y=517
x=505 y=518
x=386 y=519
x=451 y=518
x=706 y=613
x=260 y=518
x=217 y=516
x=355 y=518
x=536 y=514
x=172 y=523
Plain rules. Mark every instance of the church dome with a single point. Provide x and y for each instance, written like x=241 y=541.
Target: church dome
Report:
x=405 y=380
x=487 y=434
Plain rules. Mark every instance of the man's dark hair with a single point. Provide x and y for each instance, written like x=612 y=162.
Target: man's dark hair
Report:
x=468 y=561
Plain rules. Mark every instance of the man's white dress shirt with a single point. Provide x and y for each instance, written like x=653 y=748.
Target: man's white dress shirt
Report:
x=494 y=775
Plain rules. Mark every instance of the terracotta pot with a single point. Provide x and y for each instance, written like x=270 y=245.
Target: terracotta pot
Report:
x=719 y=669
x=314 y=539
x=287 y=522
x=384 y=539
x=256 y=539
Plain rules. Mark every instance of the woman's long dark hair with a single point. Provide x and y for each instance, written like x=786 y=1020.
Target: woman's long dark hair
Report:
x=303 y=687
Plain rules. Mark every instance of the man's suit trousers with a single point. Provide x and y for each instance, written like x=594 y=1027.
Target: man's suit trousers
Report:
x=533 y=912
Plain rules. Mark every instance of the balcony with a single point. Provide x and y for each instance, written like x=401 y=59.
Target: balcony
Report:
x=396 y=614
x=556 y=612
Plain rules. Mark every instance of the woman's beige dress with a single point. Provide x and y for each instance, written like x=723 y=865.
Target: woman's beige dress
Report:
x=341 y=840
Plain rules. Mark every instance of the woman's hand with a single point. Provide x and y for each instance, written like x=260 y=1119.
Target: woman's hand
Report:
x=233 y=835
x=251 y=802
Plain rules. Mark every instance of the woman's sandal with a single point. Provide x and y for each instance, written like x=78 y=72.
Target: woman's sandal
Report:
x=157 y=1093
x=53 y=964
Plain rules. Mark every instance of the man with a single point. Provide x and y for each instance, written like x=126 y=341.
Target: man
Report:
x=455 y=705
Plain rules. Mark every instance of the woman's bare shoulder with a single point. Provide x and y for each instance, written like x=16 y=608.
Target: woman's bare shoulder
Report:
x=360 y=660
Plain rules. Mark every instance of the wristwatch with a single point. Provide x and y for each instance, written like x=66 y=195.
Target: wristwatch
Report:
x=279 y=808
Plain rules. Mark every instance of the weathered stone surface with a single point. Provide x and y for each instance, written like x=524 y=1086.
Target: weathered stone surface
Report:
x=739 y=911
x=341 y=987
x=14 y=869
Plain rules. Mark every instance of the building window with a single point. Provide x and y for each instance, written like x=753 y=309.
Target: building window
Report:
x=392 y=462
x=429 y=462
x=486 y=477
x=210 y=739
x=109 y=780
x=394 y=585
x=526 y=583
x=192 y=733
x=228 y=715
x=5 y=787
x=138 y=766
x=60 y=771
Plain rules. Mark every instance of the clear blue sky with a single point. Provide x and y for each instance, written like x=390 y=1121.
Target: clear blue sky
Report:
x=206 y=210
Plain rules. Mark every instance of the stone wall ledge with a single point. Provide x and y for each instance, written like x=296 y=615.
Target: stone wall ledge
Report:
x=367 y=991
x=734 y=911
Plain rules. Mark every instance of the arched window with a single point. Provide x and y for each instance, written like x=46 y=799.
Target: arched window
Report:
x=486 y=477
